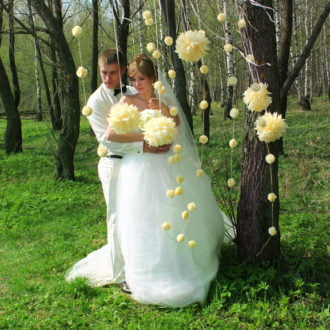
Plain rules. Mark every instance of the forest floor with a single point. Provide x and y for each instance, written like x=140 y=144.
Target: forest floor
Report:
x=46 y=226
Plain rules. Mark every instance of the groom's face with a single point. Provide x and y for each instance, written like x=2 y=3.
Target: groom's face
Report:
x=111 y=74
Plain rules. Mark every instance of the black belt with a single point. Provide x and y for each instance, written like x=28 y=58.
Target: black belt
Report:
x=115 y=156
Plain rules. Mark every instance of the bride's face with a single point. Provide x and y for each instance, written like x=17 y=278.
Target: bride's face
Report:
x=142 y=83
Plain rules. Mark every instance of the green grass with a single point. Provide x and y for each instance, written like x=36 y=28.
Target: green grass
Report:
x=46 y=226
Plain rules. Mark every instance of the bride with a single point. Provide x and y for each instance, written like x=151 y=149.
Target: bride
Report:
x=170 y=228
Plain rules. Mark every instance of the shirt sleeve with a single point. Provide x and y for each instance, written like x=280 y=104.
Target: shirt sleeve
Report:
x=99 y=123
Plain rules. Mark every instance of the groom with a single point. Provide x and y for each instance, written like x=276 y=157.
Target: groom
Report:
x=112 y=67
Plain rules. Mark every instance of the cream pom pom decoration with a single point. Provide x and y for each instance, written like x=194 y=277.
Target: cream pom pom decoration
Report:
x=146 y=14
x=272 y=231
x=77 y=31
x=232 y=81
x=234 y=113
x=228 y=48
x=221 y=17
x=149 y=21
x=156 y=54
x=203 y=105
x=270 y=158
x=233 y=143
x=257 y=98
x=204 y=69
x=180 y=238
x=192 y=244
x=160 y=131
x=199 y=172
x=171 y=74
x=271 y=197
x=151 y=47
x=124 y=118
x=241 y=23
x=192 y=45
x=86 y=110
x=270 y=127
x=102 y=151
x=168 y=41
x=231 y=182
x=166 y=226
x=203 y=139
x=81 y=72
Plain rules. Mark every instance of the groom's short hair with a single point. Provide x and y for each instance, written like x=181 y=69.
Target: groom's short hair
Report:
x=111 y=55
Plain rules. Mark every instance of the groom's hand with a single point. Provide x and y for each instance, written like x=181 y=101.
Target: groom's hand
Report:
x=155 y=150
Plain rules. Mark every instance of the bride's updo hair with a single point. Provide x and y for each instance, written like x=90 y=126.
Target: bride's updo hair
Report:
x=143 y=64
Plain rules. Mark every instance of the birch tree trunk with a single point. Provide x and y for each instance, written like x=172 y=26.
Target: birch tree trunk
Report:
x=38 y=85
x=229 y=64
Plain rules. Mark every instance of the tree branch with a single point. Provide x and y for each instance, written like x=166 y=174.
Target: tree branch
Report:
x=304 y=55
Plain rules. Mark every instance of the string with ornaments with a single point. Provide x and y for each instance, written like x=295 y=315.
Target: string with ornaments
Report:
x=191 y=46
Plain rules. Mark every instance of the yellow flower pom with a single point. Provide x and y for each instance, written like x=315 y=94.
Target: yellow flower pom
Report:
x=192 y=244
x=203 y=139
x=124 y=118
x=270 y=127
x=177 y=158
x=272 y=231
x=271 y=197
x=158 y=85
x=171 y=74
x=199 y=173
x=232 y=81
x=86 y=110
x=77 y=31
x=185 y=215
x=173 y=111
x=191 y=45
x=156 y=54
x=151 y=47
x=171 y=160
x=250 y=58
x=270 y=159
x=102 y=151
x=149 y=21
x=180 y=238
x=228 y=48
x=168 y=41
x=203 y=105
x=179 y=179
x=234 y=113
x=178 y=191
x=81 y=72
x=257 y=98
x=231 y=182
x=177 y=148
x=241 y=23
x=191 y=206
x=170 y=193
x=221 y=17
x=146 y=14
x=233 y=143
x=166 y=226
x=204 y=69
x=162 y=90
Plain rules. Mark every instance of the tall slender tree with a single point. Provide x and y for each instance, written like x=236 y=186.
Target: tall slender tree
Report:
x=13 y=132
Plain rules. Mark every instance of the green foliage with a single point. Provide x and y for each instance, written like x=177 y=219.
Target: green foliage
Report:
x=46 y=226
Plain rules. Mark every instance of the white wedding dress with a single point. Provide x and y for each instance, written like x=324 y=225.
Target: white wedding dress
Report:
x=158 y=269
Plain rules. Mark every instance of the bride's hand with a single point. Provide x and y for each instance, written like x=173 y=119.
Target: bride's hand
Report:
x=154 y=104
